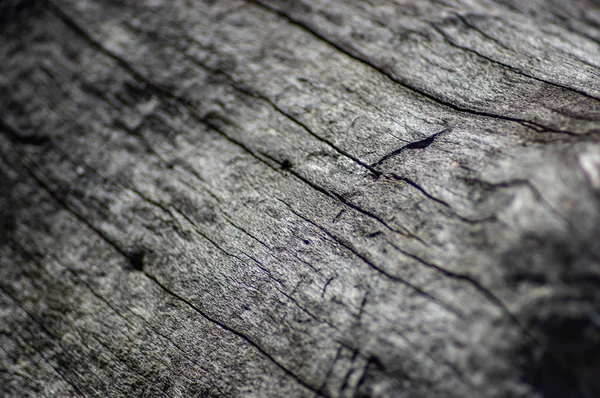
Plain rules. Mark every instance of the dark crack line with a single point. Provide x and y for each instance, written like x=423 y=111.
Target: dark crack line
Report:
x=264 y=269
x=422 y=144
x=313 y=316
x=454 y=213
x=346 y=379
x=166 y=93
x=326 y=286
x=236 y=333
x=296 y=121
x=340 y=198
x=117 y=312
x=270 y=250
x=224 y=251
x=465 y=278
x=261 y=266
x=127 y=256
x=375 y=267
x=357 y=353
x=204 y=315
x=361 y=310
x=420 y=189
x=260 y=242
x=330 y=370
x=365 y=61
x=564 y=26
x=518 y=71
x=469 y=25
x=238 y=86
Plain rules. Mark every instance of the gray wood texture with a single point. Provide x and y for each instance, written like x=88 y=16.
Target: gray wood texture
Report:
x=262 y=198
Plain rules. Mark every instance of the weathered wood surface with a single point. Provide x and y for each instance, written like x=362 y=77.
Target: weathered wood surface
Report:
x=300 y=198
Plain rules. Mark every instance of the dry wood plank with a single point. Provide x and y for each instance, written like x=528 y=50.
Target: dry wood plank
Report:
x=303 y=198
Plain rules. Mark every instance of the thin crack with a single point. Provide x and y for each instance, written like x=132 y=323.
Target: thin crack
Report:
x=365 y=61
x=376 y=267
x=118 y=313
x=420 y=189
x=237 y=85
x=287 y=115
x=162 y=286
x=236 y=333
x=330 y=370
x=454 y=213
x=518 y=71
x=205 y=120
x=468 y=279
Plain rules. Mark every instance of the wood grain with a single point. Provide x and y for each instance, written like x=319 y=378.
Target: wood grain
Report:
x=265 y=198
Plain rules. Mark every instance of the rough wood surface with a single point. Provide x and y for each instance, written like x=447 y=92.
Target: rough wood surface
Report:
x=267 y=198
